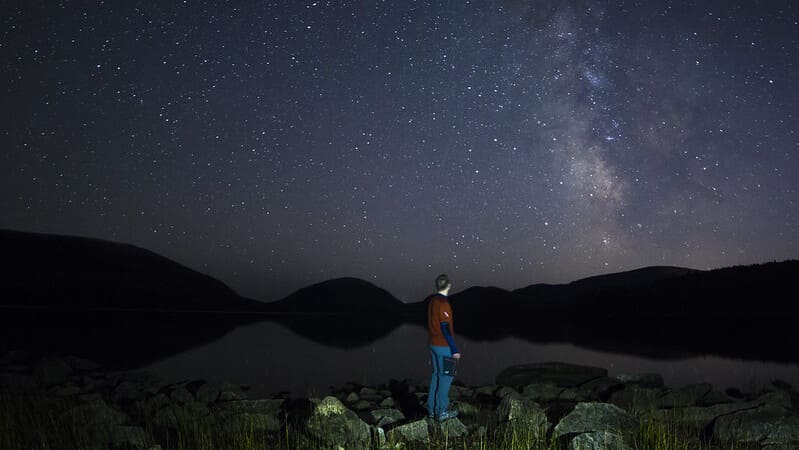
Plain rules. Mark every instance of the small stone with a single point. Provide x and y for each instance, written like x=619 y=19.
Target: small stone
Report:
x=388 y=403
x=352 y=398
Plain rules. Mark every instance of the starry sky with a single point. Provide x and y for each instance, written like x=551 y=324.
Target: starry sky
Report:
x=277 y=144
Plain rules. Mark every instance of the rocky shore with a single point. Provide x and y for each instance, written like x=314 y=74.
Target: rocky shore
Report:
x=576 y=407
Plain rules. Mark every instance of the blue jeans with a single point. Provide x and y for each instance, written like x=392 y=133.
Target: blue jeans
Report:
x=438 y=398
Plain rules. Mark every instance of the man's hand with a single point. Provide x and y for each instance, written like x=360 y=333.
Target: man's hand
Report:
x=456 y=355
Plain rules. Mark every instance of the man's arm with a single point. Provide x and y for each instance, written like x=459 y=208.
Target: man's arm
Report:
x=448 y=337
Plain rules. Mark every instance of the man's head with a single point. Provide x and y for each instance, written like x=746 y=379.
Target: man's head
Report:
x=442 y=283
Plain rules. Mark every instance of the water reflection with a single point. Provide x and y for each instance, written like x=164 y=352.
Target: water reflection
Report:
x=307 y=354
x=271 y=358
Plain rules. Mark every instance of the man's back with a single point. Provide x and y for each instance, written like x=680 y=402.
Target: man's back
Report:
x=438 y=311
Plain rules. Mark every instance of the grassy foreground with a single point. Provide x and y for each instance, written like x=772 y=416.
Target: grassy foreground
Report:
x=35 y=422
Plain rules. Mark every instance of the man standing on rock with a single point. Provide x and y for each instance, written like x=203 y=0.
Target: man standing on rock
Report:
x=442 y=345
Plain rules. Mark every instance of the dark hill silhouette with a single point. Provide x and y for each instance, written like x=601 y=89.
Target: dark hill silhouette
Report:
x=548 y=297
x=45 y=270
x=340 y=296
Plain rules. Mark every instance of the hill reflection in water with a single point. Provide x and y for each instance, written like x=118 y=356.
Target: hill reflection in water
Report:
x=303 y=353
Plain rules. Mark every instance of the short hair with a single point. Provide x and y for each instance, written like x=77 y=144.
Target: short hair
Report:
x=442 y=282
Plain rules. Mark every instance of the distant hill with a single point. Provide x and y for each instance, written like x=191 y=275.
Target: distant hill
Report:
x=46 y=270
x=343 y=296
x=560 y=296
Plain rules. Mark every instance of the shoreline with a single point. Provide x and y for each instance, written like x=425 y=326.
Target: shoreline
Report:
x=138 y=410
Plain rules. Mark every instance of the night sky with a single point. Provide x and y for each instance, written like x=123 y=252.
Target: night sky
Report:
x=277 y=144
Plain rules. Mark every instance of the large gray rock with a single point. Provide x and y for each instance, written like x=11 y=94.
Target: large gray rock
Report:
x=521 y=412
x=766 y=425
x=635 y=399
x=699 y=417
x=557 y=373
x=598 y=440
x=333 y=425
x=542 y=392
x=51 y=371
x=452 y=428
x=688 y=395
x=589 y=417
x=414 y=433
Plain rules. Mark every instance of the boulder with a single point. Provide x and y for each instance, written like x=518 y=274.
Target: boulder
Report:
x=362 y=405
x=514 y=407
x=332 y=425
x=352 y=397
x=557 y=373
x=599 y=389
x=766 y=425
x=127 y=391
x=541 y=392
x=207 y=393
x=589 y=417
x=370 y=394
x=452 y=428
x=688 y=395
x=181 y=396
x=598 y=440
x=383 y=417
x=699 y=417
x=51 y=371
x=635 y=399
x=416 y=432
x=388 y=402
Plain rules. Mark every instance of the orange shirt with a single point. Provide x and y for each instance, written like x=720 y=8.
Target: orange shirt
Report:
x=439 y=310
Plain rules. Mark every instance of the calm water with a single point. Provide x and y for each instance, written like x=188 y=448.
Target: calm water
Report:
x=271 y=358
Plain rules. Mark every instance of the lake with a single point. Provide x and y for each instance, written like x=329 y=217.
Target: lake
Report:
x=305 y=355
x=270 y=358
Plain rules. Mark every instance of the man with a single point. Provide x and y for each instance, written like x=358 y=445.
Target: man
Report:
x=442 y=344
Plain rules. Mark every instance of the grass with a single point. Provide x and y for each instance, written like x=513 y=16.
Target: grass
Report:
x=35 y=422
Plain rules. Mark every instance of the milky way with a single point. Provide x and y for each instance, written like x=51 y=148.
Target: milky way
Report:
x=277 y=144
